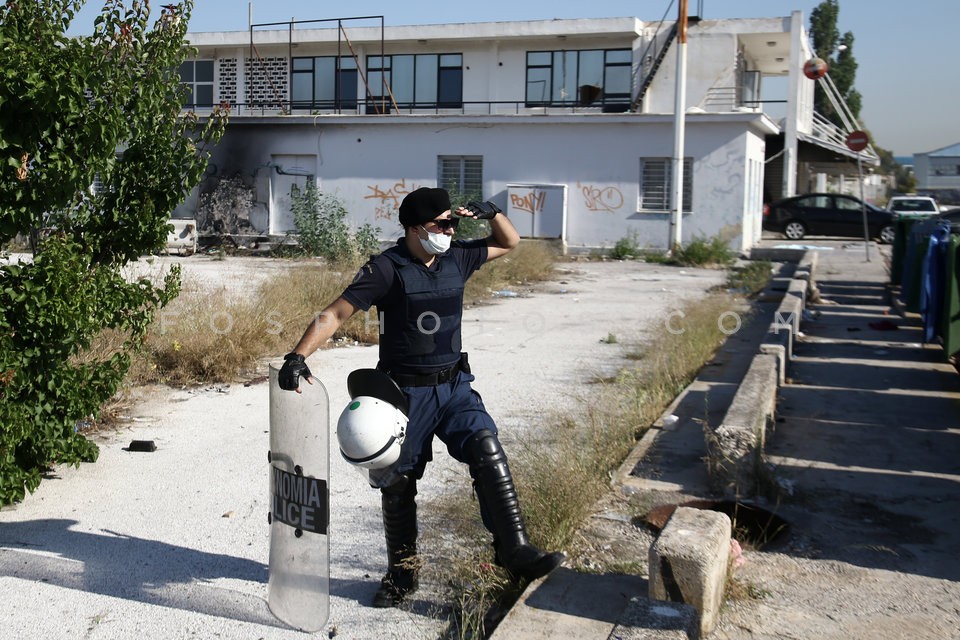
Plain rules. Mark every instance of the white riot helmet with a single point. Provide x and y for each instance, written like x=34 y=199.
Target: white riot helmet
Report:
x=370 y=432
x=372 y=427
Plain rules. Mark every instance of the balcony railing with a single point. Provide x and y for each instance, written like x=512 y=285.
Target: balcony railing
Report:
x=474 y=108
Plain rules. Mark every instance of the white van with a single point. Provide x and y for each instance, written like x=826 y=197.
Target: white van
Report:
x=913 y=206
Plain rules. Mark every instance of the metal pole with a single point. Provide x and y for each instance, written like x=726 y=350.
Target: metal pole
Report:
x=680 y=107
x=863 y=206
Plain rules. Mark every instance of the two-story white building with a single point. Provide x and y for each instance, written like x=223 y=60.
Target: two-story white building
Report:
x=568 y=125
x=938 y=173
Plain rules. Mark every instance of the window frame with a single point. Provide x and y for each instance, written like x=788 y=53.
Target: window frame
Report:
x=656 y=198
x=435 y=82
x=469 y=179
x=559 y=59
x=192 y=85
x=345 y=78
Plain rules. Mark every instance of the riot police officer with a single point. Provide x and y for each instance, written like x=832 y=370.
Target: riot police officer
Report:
x=417 y=287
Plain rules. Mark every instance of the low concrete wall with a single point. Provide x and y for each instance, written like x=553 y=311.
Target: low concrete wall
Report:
x=735 y=448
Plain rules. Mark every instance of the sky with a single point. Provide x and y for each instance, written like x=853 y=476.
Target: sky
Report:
x=907 y=74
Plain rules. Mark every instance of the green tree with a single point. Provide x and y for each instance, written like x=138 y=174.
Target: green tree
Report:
x=321 y=222
x=105 y=106
x=827 y=41
x=904 y=180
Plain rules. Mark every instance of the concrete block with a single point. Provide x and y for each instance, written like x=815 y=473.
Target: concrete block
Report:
x=689 y=560
x=777 y=254
x=789 y=311
x=798 y=288
x=646 y=619
x=779 y=343
x=735 y=448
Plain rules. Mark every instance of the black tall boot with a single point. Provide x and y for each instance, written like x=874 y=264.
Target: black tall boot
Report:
x=400 y=526
x=500 y=510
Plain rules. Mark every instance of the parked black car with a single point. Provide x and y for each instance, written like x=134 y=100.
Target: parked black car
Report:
x=827 y=214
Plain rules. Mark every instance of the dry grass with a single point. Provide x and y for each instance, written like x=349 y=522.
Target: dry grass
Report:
x=223 y=335
x=531 y=262
x=220 y=336
x=561 y=488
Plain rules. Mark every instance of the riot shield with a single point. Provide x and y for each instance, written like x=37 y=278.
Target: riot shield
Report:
x=298 y=590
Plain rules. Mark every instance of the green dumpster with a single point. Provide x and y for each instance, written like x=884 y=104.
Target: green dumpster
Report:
x=911 y=281
x=912 y=287
x=950 y=320
x=902 y=227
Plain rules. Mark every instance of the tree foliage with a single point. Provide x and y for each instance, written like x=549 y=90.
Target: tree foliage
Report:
x=827 y=41
x=72 y=110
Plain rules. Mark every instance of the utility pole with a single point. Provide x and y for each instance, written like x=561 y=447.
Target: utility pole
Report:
x=679 y=114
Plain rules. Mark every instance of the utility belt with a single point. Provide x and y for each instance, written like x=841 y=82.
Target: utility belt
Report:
x=432 y=379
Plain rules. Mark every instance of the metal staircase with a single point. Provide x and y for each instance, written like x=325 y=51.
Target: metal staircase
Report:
x=657 y=61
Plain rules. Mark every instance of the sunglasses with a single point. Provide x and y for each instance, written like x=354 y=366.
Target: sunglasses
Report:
x=446 y=223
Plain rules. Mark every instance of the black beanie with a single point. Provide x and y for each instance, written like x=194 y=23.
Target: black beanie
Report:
x=423 y=205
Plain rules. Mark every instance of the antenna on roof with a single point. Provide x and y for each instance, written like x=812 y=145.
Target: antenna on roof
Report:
x=250 y=12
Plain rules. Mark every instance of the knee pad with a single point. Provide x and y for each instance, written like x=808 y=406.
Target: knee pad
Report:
x=484 y=449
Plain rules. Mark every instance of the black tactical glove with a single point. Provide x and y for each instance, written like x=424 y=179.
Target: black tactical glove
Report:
x=482 y=210
x=293 y=368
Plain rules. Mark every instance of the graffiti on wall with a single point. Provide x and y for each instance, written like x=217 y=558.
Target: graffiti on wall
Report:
x=388 y=198
x=530 y=202
x=601 y=198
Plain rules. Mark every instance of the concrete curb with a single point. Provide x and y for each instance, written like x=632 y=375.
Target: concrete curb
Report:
x=735 y=448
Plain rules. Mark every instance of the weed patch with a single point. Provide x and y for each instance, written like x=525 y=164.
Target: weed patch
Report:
x=703 y=252
x=223 y=335
x=626 y=248
x=751 y=278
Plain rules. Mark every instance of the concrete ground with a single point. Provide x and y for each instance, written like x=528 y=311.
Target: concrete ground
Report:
x=864 y=452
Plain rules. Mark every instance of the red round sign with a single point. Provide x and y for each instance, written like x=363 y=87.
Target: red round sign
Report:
x=857 y=140
x=815 y=68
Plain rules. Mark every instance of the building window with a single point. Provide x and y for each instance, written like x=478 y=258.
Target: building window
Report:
x=655 y=184
x=944 y=168
x=324 y=82
x=196 y=76
x=749 y=91
x=461 y=175
x=591 y=77
x=418 y=81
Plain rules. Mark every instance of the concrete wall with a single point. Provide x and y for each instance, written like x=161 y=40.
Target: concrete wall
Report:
x=373 y=165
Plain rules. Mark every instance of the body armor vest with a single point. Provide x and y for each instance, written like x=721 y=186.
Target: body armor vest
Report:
x=421 y=332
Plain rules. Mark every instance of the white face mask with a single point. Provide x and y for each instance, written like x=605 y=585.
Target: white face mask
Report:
x=435 y=243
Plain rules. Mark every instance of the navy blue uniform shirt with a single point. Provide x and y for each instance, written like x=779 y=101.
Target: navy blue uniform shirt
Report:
x=377 y=284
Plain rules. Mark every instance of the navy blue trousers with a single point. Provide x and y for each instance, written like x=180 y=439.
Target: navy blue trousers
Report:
x=451 y=411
